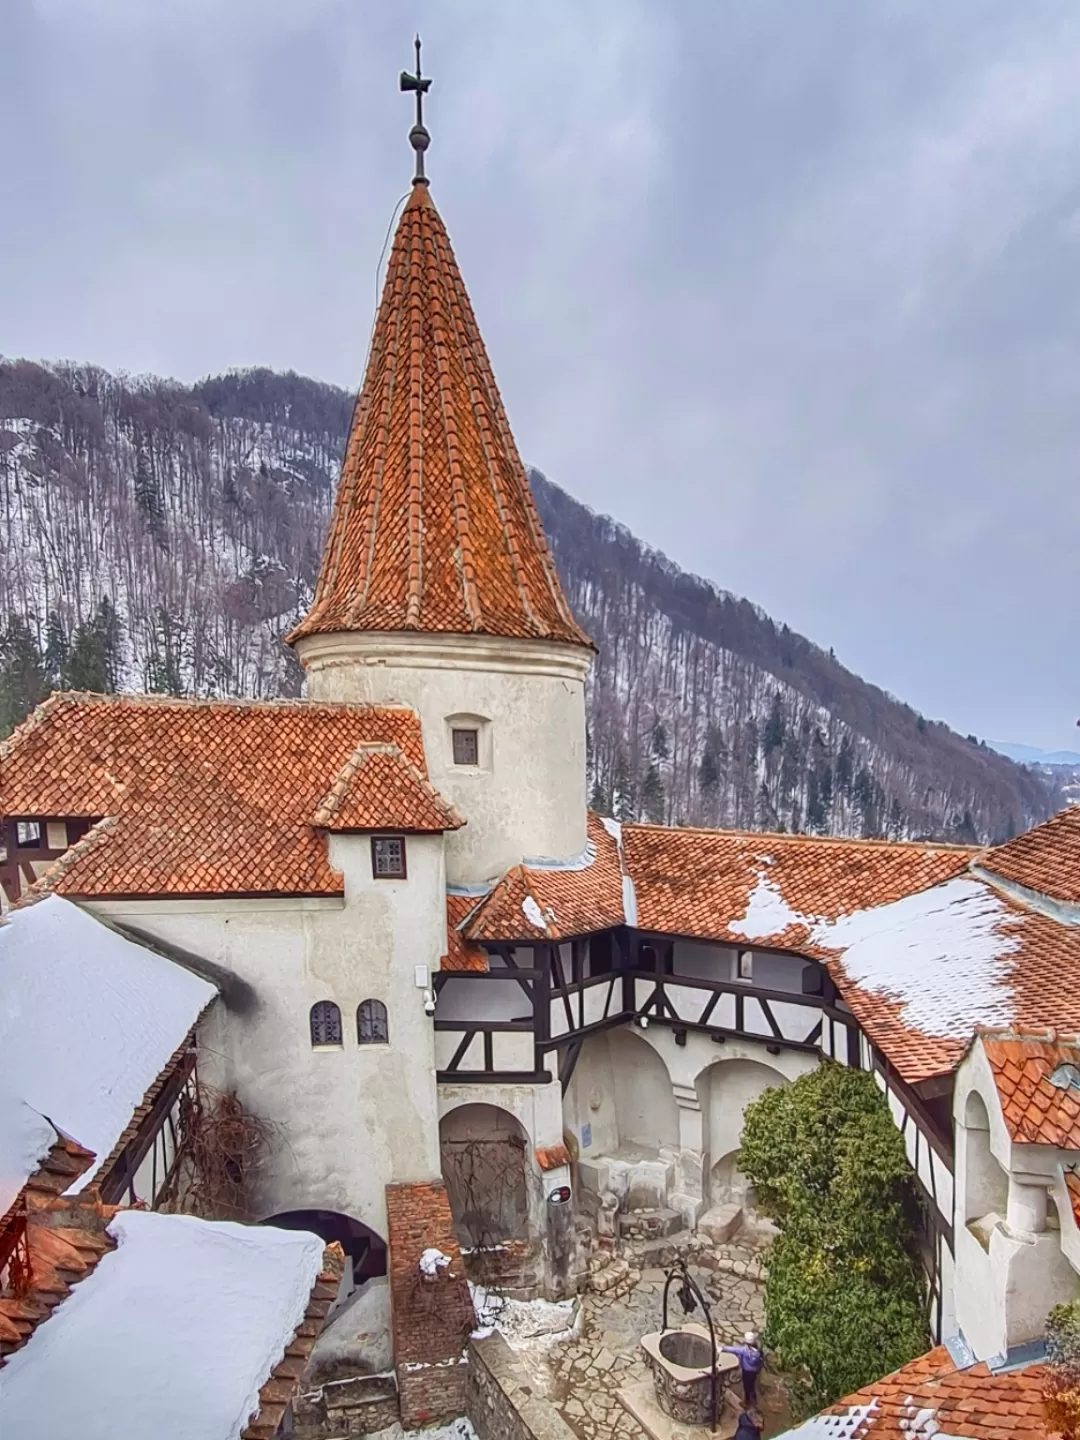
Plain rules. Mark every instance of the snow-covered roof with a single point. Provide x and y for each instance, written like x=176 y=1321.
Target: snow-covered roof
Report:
x=25 y=1139
x=88 y=1020
x=172 y=1334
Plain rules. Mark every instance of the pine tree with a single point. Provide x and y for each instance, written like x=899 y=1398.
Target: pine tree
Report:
x=623 y=800
x=708 y=772
x=163 y=673
x=652 y=794
x=94 y=660
x=772 y=737
x=659 y=742
x=148 y=495
x=598 y=800
x=57 y=651
x=22 y=674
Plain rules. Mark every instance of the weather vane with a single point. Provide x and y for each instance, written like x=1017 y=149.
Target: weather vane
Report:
x=419 y=138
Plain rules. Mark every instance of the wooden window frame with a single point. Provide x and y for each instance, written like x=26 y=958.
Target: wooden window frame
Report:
x=403 y=873
x=471 y=735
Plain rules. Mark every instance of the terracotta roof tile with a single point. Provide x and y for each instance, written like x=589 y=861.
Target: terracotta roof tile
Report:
x=460 y=954
x=1045 y=859
x=434 y=526
x=205 y=797
x=975 y=1404
x=378 y=789
x=531 y=902
x=1036 y=1112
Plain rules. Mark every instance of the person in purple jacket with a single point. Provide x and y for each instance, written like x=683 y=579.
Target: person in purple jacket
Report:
x=750 y=1362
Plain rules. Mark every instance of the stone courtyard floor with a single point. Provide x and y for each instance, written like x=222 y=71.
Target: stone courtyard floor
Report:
x=580 y=1376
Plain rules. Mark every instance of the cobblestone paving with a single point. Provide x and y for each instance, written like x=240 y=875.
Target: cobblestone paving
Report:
x=581 y=1376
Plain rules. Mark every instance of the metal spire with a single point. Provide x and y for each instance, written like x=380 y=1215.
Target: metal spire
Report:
x=419 y=138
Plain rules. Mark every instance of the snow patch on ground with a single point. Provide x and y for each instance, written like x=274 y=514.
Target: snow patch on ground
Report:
x=941 y=954
x=524 y=1324
x=767 y=912
x=25 y=1139
x=459 y=1429
x=179 y=1327
x=89 y=1020
x=532 y=912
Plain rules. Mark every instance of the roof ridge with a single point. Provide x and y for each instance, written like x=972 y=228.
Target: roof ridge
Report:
x=870 y=842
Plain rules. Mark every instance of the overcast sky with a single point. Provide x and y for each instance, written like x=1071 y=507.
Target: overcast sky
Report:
x=791 y=287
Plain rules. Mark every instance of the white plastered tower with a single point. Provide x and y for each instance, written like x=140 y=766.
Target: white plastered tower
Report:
x=437 y=589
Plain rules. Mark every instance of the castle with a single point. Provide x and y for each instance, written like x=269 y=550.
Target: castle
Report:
x=425 y=947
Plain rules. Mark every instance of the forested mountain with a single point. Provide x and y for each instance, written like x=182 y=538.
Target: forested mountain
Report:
x=159 y=536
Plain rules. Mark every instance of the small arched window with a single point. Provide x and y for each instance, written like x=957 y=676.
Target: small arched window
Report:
x=325 y=1024
x=371 y=1026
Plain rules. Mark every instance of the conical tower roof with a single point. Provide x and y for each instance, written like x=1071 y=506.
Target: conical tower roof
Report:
x=434 y=528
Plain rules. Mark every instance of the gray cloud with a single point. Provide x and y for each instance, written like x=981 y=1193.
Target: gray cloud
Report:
x=789 y=288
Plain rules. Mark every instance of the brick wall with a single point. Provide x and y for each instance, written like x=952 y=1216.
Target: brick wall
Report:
x=430 y=1320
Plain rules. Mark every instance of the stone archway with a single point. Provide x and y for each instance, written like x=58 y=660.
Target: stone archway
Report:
x=486 y=1168
x=364 y=1247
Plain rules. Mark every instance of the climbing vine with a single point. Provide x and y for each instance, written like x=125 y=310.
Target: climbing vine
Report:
x=845 y=1295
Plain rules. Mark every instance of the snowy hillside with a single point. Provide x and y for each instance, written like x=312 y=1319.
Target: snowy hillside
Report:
x=165 y=537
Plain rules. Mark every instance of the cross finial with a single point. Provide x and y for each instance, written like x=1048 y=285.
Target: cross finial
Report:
x=419 y=138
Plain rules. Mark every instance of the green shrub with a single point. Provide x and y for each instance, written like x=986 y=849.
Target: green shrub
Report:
x=845 y=1295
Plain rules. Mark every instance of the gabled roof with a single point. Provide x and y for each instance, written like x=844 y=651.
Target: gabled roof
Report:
x=930 y=1396
x=92 y=1348
x=1045 y=859
x=434 y=527
x=378 y=789
x=922 y=951
x=90 y=1020
x=1037 y=1111
x=203 y=797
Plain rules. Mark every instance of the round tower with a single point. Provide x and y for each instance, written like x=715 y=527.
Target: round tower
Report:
x=437 y=589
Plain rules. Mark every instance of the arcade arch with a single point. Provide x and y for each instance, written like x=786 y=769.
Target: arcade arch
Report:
x=486 y=1168
x=725 y=1089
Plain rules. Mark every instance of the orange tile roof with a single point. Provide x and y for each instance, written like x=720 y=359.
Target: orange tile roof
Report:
x=975 y=1404
x=460 y=953
x=1045 y=859
x=378 y=789
x=1036 y=1112
x=531 y=902
x=198 y=797
x=698 y=883
x=434 y=526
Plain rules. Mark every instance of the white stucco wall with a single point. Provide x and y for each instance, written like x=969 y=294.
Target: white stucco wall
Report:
x=526 y=798
x=351 y=1120
x=1008 y=1275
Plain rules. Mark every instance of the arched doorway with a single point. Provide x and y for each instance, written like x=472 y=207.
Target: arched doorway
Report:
x=364 y=1248
x=485 y=1164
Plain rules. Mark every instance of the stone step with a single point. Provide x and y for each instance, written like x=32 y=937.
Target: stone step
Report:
x=649 y=1224
x=720 y=1223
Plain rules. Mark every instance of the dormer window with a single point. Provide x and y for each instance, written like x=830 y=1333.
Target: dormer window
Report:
x=388 y=857
x=28 y=835
x=466 y=743
x=744 y=968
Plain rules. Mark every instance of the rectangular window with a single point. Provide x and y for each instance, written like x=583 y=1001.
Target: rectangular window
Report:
x=28 y=835
x=466 y=747
x=388 y=857
x=745 y=970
